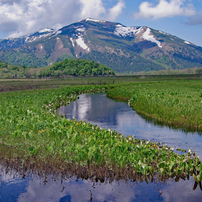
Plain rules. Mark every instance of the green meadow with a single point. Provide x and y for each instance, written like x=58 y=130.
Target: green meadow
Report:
x=33 y=136
x=177 y=102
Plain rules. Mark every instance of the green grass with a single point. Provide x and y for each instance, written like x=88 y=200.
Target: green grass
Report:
x=177 y=103
x=27 y=84
x=32 y=134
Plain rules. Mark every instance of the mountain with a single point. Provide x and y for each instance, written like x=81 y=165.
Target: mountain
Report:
x=124 y=49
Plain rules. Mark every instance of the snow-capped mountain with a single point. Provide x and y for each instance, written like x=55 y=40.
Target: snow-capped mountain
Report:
x=120 y=47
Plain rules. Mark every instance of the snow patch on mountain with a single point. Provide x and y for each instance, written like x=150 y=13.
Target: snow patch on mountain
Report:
x=126 y=31
x=139 y=30
x=94 y=20
x=163 y=33
x=58 y=32
x=41 y=34
x=81 y=29
x=72 y=42
x=41 y=47
x=82 y=44
x=187 y=42
x=147 y=36
x=29 y=39
x=45 y=30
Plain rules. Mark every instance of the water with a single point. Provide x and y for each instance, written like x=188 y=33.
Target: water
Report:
x=107 y=113
x=32 y=190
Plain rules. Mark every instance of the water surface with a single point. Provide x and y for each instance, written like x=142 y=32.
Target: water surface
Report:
x=106 y=113
x=34 y=189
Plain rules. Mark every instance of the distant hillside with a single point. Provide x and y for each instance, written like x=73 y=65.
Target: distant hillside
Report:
x=3 y=65
x=124 y=49
x=75 y=67
x=15 y=71
x=67 y=67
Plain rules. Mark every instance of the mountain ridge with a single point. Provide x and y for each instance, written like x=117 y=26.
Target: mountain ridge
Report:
x=124 y=49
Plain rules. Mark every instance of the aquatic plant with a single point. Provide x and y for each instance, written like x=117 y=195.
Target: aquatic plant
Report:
x=33 y=134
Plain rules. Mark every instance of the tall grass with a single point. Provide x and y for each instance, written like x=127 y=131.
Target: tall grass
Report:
x=31 y=131
x=177 y=103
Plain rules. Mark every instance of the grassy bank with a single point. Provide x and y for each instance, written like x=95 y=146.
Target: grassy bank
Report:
x=33 y=136
x=177 y=103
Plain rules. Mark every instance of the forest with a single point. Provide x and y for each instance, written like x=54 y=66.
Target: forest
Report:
x=65 y=68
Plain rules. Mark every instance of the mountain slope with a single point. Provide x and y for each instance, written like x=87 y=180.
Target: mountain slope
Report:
x=124 y=49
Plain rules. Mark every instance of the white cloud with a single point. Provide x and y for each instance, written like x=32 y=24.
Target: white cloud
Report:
x=116 y=191
x=165 y=8
x=28 y=16
x=115 y=11
x=20 y=17
x=92 y=8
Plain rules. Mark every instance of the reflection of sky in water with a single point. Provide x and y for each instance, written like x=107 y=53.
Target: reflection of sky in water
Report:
x=11 y=186
x=107 y=113
x=120 y=192
x=80 y=190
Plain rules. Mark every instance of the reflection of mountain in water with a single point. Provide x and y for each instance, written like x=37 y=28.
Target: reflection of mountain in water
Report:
x=92 y=109
x=107 y=113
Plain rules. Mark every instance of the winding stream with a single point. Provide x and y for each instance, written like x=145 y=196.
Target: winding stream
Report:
x=107 y=113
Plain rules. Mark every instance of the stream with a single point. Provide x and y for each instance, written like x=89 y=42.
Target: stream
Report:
x=107 y=113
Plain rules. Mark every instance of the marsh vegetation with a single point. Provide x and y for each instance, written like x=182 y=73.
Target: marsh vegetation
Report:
x=33 y=136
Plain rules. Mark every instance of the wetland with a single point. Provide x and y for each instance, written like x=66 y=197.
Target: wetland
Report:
x=119 y=154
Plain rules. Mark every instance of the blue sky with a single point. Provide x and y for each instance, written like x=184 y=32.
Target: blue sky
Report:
x=182 y=18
